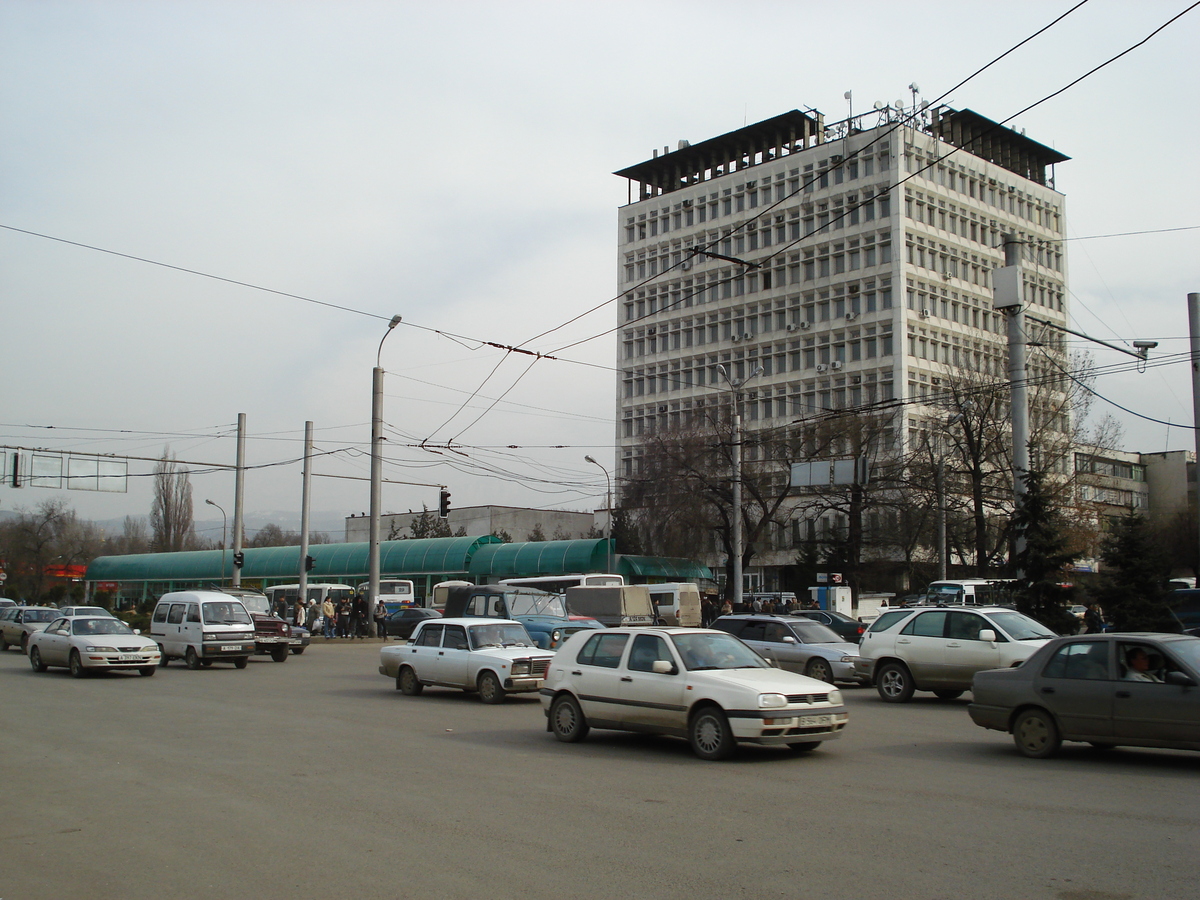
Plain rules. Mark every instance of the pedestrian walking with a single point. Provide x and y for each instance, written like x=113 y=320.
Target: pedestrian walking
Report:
x=381 y=620
x=329 y=614
x=344 y=613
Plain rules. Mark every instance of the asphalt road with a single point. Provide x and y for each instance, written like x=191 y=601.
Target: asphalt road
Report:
x=316 y=778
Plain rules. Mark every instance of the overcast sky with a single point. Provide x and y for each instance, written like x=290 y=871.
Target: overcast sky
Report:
x=451 y=163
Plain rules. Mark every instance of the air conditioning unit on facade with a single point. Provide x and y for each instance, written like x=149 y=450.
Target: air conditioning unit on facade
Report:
x=836 y=364
x=804 y=326
x=851 y=316
x=789 y=327
x=925 y=313
x=821 y=367
x=736 y=338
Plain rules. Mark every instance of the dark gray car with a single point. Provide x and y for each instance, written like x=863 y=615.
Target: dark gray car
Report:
x=1138 y=690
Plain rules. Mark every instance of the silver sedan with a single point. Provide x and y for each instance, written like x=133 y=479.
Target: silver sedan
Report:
x=91 y=643
x=796 y=644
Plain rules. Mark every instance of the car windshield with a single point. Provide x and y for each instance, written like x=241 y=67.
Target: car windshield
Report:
x=1188 y=651
x=99 y=625
x=499 y=635
x=1020 y=627
x=256 y=603
x=225 y=614
x=716 y=651
x=815 y=633
x=536 y=603
x=39 y=615
x=87 y=611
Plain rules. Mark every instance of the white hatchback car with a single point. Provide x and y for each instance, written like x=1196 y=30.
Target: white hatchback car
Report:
x=697 y=683
x=940 y=649
x=495 y=657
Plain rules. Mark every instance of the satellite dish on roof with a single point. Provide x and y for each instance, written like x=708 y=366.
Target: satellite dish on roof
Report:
x=879 y=104
x=899 y=104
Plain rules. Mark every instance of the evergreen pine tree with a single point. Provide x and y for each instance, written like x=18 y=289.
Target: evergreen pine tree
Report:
x=1132 y=589
x=1044 y=559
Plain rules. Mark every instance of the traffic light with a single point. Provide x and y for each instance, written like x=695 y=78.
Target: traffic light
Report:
x=309 y=562
x=239 y=559
x=444 y=503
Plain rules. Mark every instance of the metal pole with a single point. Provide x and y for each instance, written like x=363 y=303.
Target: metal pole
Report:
x=239 y=487
x=1193 y=304
x=736 y=526
x=376 y=488
x=305 y=493
x=608 y=521
x=376 y=475
x=941 y=521
x=1018 y=385
x=224 y=531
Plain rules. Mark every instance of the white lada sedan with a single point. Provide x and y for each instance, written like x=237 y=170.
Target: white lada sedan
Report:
x=495 y=657
x=697 y=683
x=90 y=643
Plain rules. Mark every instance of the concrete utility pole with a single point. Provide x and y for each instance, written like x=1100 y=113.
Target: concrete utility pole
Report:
x=1193 y=304
x=735 y=525
x=239 y=495
x=376 y=473
x=1017 y=377
x=305 y=493
x=608 y=523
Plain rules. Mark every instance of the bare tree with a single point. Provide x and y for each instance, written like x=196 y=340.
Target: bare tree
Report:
x=35 y=542
x=171 y=511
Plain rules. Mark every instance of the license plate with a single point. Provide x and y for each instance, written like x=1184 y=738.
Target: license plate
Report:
x=232 y=648
x=811 y=721
x=128 y=657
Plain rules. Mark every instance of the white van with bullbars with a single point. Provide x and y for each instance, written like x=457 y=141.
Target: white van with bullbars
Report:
x=202 y=627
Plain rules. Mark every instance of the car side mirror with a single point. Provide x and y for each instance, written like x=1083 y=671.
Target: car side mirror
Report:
x=1180 y=678
x=137 y=631
x=789 y=639
x=664 y=667
x=986 y=634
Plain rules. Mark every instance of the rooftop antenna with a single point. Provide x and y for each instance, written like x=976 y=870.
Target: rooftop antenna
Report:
x=849 y=95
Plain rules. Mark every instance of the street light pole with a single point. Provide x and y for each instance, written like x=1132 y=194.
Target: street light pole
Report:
x=224 y=522
x=608 y=520
x=735 y=526
x=376 y=472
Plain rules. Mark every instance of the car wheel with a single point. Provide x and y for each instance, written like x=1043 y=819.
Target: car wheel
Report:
x=894 y=683
x=163 y=659
x=146 y=671
x=75 y=664
x=298 y=650
x=710 y=735
x=25 y=642
x=819 y=669
x=241 y=662
x=280 y=653
x=1035 y=734
x=35 y=660
x=206 y=663
x=407 y=682
x=804 y=746
x=3 y=644
x=567 y=721
x=191 y=659
x=490 y=690
x=947 y=695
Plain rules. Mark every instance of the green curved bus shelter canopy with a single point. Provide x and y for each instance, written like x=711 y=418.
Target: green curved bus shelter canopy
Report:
x=540 y=558
x=664 y=567
x=331 y=562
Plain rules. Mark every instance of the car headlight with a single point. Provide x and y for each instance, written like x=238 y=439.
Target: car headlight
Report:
x=101 y=649
x=835 y=697
x=849 y=660
x=520 y=667
x=771 y=701
x=556 y=635
x=285 y=629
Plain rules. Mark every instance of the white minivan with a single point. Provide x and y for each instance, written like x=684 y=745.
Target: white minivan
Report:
x=677 y=603
x=202 y=627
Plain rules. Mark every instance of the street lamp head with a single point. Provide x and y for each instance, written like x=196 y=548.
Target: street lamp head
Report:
x=210 y=503
x=395 y=321
x=590 y=460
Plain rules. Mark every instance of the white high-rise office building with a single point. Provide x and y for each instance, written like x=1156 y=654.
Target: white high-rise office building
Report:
x=872 y=243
